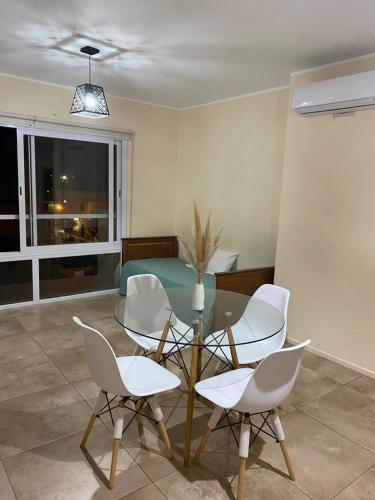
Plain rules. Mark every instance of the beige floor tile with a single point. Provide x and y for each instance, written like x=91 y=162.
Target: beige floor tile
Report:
x=261 y=483
x=332 y=370
x=149 y=492
x=59 y=470
x=108 y=326
x=35 y=317
x=143 y=442
x=27 y=375
x=87 y=389
x=91 y=309
x=309 y=386
x=123 y=342
x=348 y=412
x=193 y=483
x=56 y=337
x=324 y=461
x=13 y=347
x=9 y=324
x=35 y=419
x=364 y=385
x=71 y=362
x=362 y=489
x=6 y=491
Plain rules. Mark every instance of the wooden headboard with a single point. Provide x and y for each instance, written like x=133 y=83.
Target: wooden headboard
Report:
x=243 y=281
x=147 y=248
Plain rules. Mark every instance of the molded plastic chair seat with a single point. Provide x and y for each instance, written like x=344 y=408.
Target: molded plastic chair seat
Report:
x=215 y=389
x=144 y=377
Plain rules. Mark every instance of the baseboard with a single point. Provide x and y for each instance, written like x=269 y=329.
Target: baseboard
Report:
x=335 y=359
x=59 y=299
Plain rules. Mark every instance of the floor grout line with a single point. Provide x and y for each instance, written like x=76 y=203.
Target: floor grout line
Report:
x=10 y=482
x=338 y=433
x=352 y=482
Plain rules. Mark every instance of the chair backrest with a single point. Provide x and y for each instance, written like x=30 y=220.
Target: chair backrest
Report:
x=143 y=283
x=150 y=312
x=272 y=380
x=101 y=360
x=277 y=297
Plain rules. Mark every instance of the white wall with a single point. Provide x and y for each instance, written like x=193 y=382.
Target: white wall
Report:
x=326 y=242
x=230 y=160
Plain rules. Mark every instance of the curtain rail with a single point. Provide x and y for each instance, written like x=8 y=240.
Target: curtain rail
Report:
x=40 y=120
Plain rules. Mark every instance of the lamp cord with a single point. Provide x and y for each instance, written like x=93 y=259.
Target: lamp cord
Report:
x=89 y=69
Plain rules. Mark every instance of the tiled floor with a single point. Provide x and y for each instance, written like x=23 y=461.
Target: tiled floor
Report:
x=45 y=398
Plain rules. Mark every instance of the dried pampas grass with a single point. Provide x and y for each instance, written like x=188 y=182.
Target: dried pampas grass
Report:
x=205 y=245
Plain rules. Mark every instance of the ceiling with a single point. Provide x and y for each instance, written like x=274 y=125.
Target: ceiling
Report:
x=181 y=53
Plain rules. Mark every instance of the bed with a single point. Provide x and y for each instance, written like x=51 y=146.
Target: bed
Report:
x=159 y=255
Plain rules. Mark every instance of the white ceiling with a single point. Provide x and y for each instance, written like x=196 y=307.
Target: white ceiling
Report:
x=181 y=53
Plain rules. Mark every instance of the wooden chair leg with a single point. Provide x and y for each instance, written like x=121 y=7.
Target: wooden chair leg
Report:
x=158 y=414
x=165 y=437
x=88 y=430
x=100 y=402
x=184 y=370
x=275 y=419
x=212 y=423
x=288 y=462
x=112 y=477
x=241 y=479
x=202 y=445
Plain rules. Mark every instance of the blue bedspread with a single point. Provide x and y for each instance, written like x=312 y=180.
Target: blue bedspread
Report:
x=172 y=272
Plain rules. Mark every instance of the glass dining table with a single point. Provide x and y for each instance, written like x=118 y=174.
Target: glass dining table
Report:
x=165 y=324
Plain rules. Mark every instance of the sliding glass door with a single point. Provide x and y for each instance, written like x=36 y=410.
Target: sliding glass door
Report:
x=9 y=208
x=60 y=207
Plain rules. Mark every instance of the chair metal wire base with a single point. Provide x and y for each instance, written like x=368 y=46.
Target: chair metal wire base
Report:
x=265 y=416
x=122 y=403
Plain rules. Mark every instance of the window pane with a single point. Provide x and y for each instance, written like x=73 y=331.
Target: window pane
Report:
x=72 y=275
x=9 y=236
x=71 y=179
x=9 y=216
x=71 y=176
x=76 y=230
x=9 y=172
x=16 y=282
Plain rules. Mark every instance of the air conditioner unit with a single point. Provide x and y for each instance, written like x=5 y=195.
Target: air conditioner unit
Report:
x=337 y=95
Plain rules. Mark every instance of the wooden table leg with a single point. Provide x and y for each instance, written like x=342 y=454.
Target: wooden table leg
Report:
x=191 y=395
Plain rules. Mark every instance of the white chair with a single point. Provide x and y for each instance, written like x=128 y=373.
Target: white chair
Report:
x=128 y=376
x=274 y=295
x=253 y=392
x=149 y=315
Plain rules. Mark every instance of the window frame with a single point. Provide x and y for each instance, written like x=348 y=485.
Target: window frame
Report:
x=34 y=253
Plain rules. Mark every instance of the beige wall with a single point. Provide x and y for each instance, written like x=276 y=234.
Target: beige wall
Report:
x=230 y=160
x=154 y=152
x=326 y=242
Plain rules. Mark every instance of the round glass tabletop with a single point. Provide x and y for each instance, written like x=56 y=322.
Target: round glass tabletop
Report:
x=147 y=314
